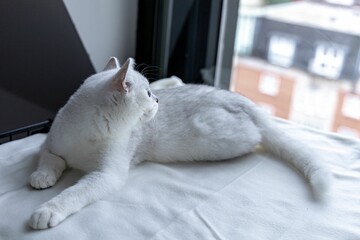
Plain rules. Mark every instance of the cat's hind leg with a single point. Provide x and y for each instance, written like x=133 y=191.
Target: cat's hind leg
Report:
x=48 y=172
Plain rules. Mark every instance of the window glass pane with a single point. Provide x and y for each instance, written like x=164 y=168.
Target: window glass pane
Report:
x=300 y=60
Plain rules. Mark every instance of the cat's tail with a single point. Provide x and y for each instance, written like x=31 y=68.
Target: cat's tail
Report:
x=281 y=144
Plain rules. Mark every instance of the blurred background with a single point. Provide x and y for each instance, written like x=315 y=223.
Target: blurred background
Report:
x=300 y=60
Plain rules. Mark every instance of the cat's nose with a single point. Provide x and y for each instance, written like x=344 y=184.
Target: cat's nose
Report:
x=155 y=98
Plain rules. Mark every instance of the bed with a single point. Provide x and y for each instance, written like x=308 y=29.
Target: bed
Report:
x=253 y=197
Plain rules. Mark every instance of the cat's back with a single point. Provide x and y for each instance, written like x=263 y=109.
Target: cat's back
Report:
x=189 y=92
x=194 y=100
x=194 y=122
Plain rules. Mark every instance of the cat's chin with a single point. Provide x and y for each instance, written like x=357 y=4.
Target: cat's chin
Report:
x=149 y=114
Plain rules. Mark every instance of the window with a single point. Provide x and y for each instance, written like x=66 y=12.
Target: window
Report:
x=328 y=60
x=298 y=49
x=269 y=84
x=281 y=50
x=245 y=29
x=351 y=106
x=284 y=56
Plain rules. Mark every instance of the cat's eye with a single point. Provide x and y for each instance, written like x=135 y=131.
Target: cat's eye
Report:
x=149 y=93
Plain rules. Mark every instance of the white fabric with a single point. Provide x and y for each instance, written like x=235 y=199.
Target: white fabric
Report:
x=253 y=197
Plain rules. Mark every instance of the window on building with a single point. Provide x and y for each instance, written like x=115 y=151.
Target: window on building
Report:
x=328 y=60
x=281 y=50
x=245 y=30
x=269 y=84
x=351 y=106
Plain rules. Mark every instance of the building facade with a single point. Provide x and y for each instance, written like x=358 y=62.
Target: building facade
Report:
x=301 y=61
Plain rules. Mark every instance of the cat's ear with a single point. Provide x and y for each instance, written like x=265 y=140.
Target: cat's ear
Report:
x=121 y=83
x=112 y=64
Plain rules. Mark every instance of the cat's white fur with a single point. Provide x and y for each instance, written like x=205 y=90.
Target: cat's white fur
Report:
x=114 y=121
x=164 y=83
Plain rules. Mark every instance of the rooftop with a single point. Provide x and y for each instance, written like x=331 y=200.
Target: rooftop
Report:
x=311 y=14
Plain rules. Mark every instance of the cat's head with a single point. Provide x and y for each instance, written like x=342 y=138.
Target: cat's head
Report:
x=122 y=92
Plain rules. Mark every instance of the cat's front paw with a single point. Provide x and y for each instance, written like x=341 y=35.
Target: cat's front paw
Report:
x=46 y=217
x=42 y=179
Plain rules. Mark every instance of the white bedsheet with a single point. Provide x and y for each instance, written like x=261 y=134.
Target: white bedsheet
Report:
x=253 y=197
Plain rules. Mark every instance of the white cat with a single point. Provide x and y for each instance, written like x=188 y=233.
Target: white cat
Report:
x=114 y=120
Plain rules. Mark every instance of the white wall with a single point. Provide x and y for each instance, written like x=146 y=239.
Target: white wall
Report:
x=106 y=28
